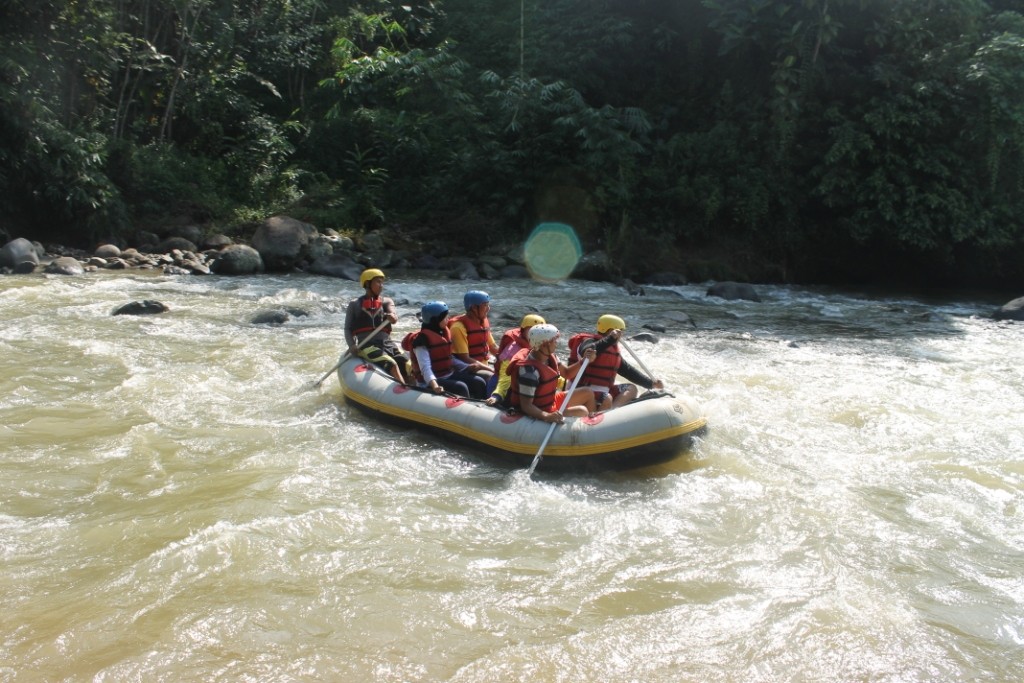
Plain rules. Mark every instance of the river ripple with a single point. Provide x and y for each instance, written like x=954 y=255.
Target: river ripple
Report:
x=178 y=504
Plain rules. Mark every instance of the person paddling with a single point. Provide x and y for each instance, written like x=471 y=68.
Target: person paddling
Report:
x=601 y=373
x=535 y=374
x=363 y=315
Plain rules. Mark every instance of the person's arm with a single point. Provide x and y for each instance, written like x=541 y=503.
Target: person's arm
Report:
x=504 y=382
x=637 y=377
x=350 y=323
x=598 y=345
x=460 y=343
x=389 y=310
x=423 y=358
x=460 y=348
x=570 y=371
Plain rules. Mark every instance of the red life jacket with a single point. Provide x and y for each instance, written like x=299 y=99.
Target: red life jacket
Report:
x=477 y=336
x=544 y=396
x=371 y=314
x=601 y=371
x=438 y=346
x=512 y=343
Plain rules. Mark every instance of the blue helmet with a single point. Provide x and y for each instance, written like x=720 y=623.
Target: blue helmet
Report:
x=433 y=311
x=475 y=298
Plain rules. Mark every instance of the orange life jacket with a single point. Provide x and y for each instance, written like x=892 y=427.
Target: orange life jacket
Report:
x=601 y=371
x=371 y=314
x=512 y=342
x=544 y=396
x=438 y=346
x=476 y=336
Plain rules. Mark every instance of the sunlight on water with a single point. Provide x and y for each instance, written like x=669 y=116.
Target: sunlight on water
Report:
x=179 y=504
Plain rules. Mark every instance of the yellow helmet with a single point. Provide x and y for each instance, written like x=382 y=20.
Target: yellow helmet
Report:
x=368 y=275
x=531 y=319
x=610 y=322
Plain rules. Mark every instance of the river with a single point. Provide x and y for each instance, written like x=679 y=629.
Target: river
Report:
x=178 y=504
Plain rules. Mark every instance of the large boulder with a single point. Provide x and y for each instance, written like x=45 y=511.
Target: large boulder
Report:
x=282 y=242
x=278 y=316
x=193 y=265
x=596 y=267
x=732 y=291
x=1014 y=310
x=237 y=259
x=18 y=251
x=678 y=317
x=464 y=270
x=106 y=251
x=180 y=243
x=488 y=272
x=372 y=241
x=216 y=241
x=340 y=243
x=319 y=246
x=146 y=241
x=379 y=259
x=144 y=307
x=193 y=233
x=65 y=265
x=336 y=265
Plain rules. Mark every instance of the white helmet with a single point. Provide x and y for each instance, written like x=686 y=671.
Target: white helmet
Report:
x=542 y=333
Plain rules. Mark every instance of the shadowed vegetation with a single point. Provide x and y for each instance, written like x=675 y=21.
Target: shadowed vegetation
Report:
x=810 y=141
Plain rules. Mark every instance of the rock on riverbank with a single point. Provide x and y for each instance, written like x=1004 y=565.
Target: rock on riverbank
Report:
x=285 y=244
x=281 y=244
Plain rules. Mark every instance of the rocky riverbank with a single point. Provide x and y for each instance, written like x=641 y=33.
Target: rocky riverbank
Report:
x=284 y=244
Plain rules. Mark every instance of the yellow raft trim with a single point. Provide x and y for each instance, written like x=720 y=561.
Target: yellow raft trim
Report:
x=518 y=447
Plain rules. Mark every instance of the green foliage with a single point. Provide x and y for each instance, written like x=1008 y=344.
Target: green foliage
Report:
x=53 y=176
x=916 y=160
x=788 y=131
x=187 y=86
x=549 y=126
x=51 y=152
x=161 y=180
x=995 y=78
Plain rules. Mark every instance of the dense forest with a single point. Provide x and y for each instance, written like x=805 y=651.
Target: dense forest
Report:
x=771 y=140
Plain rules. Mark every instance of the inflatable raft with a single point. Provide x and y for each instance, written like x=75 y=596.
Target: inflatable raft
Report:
x=653 y=429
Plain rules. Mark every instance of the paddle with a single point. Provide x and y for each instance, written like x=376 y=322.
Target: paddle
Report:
x=568 y=395
x=345 y=355
x=623 y=344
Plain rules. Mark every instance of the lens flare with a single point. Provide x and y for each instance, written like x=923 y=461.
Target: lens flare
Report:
x=552 y=251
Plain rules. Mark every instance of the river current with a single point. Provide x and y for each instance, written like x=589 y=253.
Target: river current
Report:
x=179 y=504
